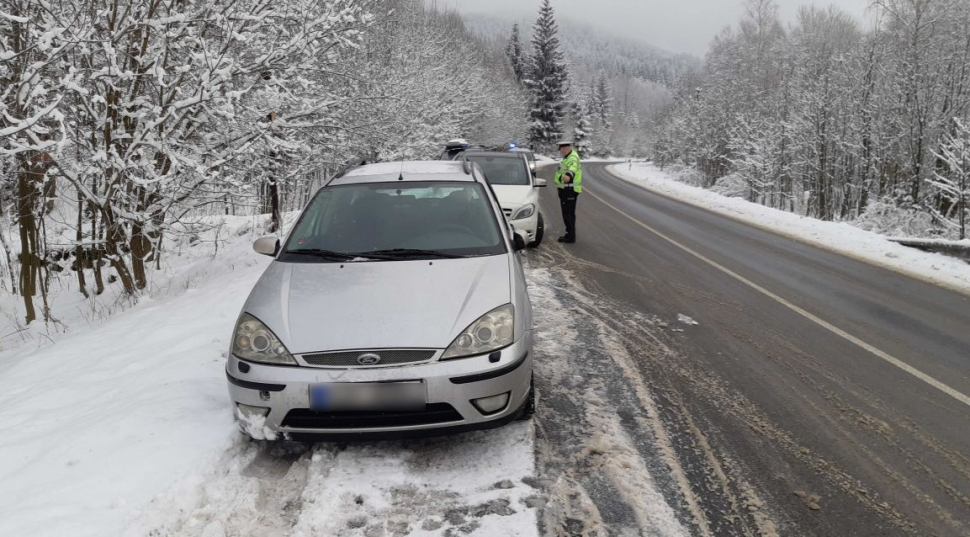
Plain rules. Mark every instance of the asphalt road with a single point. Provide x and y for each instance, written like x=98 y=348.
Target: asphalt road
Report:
x=809 y=399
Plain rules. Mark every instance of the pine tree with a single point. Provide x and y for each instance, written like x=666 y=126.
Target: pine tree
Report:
x=604 y=102
x=547 y=81
x=602 y=110
x=513 y=51
x=583 y=133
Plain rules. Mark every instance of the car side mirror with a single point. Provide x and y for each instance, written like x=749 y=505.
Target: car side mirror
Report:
x=518 y=241
x=540 y=183
x=267 y=246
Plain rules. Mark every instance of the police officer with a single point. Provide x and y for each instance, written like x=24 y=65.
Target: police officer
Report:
x=569 y=179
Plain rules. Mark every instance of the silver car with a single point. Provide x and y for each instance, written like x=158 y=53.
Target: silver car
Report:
x=396 y=306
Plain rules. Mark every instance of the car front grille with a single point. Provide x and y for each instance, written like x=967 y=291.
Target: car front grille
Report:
x=508 y=212
x=350 y=358
x=304 y=418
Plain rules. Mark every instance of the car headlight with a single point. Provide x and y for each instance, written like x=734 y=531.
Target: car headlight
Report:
x=255 y=342
x=492 y=331
x=524 y=212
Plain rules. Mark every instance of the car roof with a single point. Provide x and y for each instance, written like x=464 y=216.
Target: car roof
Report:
x=409 y=171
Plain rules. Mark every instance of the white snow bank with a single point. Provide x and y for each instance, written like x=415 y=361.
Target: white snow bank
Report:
x=101 y=421
x=837 y=237
x=186 y=258
x=604 y=159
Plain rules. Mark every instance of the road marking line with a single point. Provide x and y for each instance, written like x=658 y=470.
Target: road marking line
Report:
x=939 y=280
x=959 y=396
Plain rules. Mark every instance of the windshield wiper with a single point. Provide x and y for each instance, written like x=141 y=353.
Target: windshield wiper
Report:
x=410 y=252
x=326 y=254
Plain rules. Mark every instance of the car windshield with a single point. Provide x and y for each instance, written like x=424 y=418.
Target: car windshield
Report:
x=502 y=170
x=388 y=221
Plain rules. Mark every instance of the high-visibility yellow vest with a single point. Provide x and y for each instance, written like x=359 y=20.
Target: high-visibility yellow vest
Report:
x=570 y=163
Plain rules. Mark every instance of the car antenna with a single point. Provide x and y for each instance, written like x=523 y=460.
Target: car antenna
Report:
x=400 y=176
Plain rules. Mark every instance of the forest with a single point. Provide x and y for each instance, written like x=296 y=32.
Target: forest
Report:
x=834 y=119
x=616 y=87
x=123 y=123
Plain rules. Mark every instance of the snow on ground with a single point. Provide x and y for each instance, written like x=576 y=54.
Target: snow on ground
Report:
x=106 y=417
x=122 y=425
x=685 y=319
x=838 y=237
x=471 y=483
x=588 y=458
x=600 y=159
x=186 y=259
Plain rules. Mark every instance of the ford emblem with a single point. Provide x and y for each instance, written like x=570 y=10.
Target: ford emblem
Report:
x=368 y=359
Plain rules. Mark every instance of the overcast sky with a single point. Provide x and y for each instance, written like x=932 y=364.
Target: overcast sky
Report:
x=675 y=25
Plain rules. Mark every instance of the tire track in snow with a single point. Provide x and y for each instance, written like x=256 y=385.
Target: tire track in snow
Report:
x=254 y=490
x=468 y=484
x=472 y=483
x=704 y=490
x=596 y=478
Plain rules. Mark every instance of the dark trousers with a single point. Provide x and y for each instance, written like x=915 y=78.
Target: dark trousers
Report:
x=567 y=201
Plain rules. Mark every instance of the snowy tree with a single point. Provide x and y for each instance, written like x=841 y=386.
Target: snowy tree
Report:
x=753 y=148
x=181 y=90
x=846 y=116
x=639 y=77
x=429 y=81
x=600 y=50
x=141 y=117
x=603 y=102
x=601 y=108
x=31 y=126
x=953 y=179
x=637 y=137
x=817 y=46
x=547 y=81
x=583 y=132
x=515 y=54
x=140 y=112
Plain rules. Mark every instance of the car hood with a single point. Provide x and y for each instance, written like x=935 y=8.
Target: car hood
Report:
x=511 y=197
x=318 y=307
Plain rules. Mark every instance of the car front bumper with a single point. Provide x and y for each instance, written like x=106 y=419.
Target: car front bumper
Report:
x=529 y=226
x=451 y=387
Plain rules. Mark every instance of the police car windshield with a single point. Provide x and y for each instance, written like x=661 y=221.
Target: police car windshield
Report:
x=502 y=170
x=390 y=221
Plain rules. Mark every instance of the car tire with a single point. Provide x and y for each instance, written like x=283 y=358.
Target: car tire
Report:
x=540 y=231
x=529 y=408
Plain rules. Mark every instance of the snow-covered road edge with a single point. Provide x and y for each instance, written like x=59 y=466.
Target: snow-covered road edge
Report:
x=838 y=237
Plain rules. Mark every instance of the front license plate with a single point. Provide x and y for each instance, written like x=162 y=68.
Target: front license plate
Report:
x=350 y=396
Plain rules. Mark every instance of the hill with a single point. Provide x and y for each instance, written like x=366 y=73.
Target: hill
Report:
x=594 y=49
